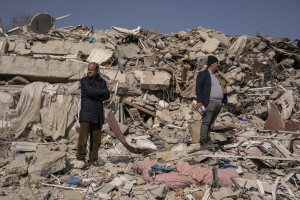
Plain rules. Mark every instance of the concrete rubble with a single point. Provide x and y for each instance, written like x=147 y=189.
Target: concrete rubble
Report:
x=151 y=77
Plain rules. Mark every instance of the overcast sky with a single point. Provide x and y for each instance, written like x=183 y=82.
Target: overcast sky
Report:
x=277 y=18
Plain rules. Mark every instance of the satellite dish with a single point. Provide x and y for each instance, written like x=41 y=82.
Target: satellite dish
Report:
x=41 y=23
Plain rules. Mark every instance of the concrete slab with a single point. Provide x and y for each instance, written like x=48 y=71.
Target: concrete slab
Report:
x=210 y=45
x=18 y=166
x=46 y=162
x=99 y=55
x=160 y=80
x=40 y=69
x=55 y=47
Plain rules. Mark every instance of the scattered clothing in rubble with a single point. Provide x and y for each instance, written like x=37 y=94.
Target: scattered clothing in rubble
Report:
x=28 y=108
x=186 y=174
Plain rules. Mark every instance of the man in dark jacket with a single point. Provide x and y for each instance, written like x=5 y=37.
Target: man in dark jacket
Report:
x=209 y=94
x=91 y=118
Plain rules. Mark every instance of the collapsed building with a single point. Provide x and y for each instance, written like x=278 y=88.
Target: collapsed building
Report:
x=151 y=78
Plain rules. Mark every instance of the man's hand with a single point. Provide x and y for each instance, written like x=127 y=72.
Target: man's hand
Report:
x=199 y=105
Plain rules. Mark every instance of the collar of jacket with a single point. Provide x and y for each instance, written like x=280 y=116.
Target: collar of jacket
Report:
x=97 y=77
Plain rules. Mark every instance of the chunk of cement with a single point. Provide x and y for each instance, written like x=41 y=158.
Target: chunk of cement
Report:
x=210 y=45
x=99 y=55
x=45 y=163
x=18 y=166
x=9 y=180
x=150 y=191
x=221 y=37
x=287 y=104
x=238 y=46
x=114 y=75
x=41 y=69
x=54 y=47
x=3 y=162
x=160 y=80
x=3 y=45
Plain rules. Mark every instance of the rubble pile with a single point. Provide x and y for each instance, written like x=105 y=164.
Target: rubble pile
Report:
x=151 y=77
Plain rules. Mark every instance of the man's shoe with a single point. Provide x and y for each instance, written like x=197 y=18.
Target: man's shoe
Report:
x=97 y=164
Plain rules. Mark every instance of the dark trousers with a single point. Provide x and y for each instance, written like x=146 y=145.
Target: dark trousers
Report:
x=94 y=131
x=212 y=110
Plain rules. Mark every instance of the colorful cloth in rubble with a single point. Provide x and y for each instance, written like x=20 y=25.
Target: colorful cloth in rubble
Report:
x=186 y=175
x=160 y=169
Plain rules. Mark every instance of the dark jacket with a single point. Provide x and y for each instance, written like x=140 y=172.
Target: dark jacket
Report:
x=203 y=87
x=93 y=92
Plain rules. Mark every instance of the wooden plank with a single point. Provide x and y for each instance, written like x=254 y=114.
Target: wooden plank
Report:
x=260 y=187
x=278 y=131
x=282 y=149
x=275 y=188
x=248 y=157
x=288 y=189
x=267 y=137
x=139 y=107
x=288 y=177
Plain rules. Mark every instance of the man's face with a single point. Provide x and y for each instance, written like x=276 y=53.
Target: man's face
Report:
x=92 y=71
x=215 y=66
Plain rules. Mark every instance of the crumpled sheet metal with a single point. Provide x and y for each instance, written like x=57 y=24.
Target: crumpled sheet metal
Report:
x=274 y=121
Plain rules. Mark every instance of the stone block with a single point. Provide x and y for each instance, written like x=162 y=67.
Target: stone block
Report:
x=18 y=166
x=41 y=69
x=99 y=55
x=44 y=163
x=150 y=191
x=9 y=180
x=210 y=45
x=160 y=80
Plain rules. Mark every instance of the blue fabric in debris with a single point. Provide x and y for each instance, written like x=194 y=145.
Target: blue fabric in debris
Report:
x=18 y=154
x=227 y=166
x=73 y=180
x=160 y=169
x=91 y=40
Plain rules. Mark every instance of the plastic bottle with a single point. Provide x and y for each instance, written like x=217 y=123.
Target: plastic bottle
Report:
x=201 y=110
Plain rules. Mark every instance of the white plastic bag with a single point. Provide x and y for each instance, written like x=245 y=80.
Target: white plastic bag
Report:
x=145 y=144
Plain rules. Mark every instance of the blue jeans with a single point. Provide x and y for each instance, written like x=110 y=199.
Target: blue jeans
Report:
x=208 y=118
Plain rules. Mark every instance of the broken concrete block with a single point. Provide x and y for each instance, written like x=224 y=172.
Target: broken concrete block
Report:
x=5 y=97
x=54 y=47
x=168 y=56
x=210 y=45
x=3 y=162
x=99 y=55
x=238 y=46
x=45 y=163
x=113 y=75
x=160 y=80
x=3 y=45
x=24 y=146
x=232 y=99
x=41 y=69
x=18 y=166
x=223 y=39
x=288 y=62
x=200 y=55
x=287 y=104
x=203 y=35
x=150 y=191
x=9 y=180
x=193 y=55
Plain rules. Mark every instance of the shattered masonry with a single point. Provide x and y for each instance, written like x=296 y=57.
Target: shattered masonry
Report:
x=151 y=77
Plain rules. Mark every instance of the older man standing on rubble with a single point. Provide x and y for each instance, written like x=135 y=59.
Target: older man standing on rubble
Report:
x=93 y=91
x=210 y=95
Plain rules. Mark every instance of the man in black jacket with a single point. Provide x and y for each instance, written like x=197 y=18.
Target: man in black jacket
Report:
x=209 y=94
x=93 y=91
